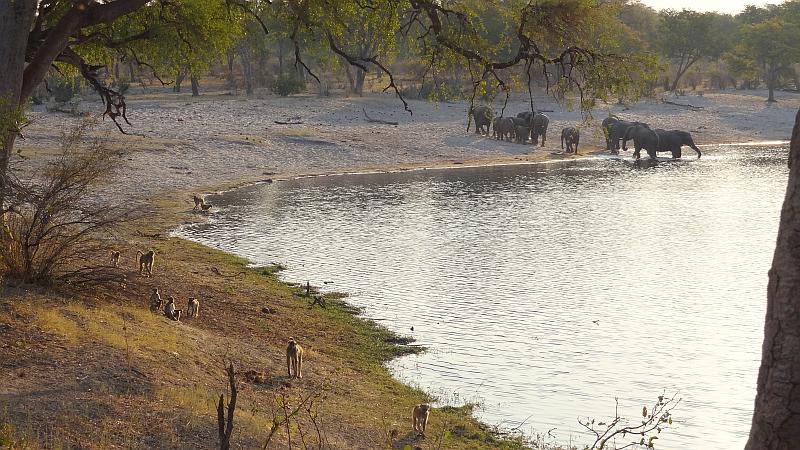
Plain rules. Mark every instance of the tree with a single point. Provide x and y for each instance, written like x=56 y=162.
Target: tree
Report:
x=685 y=37
x=87 y=35
x=770 y=48
x=776 y=418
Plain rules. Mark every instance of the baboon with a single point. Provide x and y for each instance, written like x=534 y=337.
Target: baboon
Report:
x=419 y=417
x=170 y=311
x=114 y=258
x=155 y=300
x=294 y=359
x=146 y=261
x=206 y=206
x=193 y=308
x=198 y=201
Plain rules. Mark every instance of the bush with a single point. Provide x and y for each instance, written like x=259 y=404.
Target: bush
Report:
x=62 y=91
x=286 y=85
x=55 y=226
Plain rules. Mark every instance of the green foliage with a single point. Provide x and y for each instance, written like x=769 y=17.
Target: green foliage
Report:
x=768 y=45
x=168 y=36
x=285 y=85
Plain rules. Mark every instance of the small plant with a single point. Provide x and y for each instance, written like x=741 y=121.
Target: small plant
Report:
x=285 y=85
x=643 y=435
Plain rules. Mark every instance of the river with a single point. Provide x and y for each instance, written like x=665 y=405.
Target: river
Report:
x=545 y=291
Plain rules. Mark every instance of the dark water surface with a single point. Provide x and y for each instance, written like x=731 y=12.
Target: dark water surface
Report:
x=546 y=291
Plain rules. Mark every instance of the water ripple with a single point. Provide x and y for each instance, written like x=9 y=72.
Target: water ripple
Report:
x=546 y=291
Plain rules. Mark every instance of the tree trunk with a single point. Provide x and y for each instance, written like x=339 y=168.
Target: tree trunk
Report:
x=351 y=81
x=15 y=21
x=280 y=57
x=195 y=86
x=178 y=80
x=360 y=76
x=231 y=78
x=247 y=68
x=776 y=418
x=772 y=80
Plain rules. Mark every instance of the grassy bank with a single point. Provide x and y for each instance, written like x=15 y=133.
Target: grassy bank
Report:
x=99 y=370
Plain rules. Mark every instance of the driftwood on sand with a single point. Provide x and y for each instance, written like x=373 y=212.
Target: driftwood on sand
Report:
x=690 y=106
x=371 y=120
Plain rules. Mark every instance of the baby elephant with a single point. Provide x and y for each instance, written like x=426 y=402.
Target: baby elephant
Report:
x=570 y=136
x=521 y=134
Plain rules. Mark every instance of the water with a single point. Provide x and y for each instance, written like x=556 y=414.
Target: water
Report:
x=546 y=291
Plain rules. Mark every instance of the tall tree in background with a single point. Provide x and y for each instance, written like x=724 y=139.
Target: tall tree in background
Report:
x=770 y=48
x=685 y=37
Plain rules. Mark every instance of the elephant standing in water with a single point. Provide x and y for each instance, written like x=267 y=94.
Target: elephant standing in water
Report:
x=606 y=127
x=616 y=132
x=571 y=136
x=483 y=118
x=643 y=138
x=666 y=141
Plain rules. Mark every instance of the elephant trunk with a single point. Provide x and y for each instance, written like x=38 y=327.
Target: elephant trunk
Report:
x=697 y=150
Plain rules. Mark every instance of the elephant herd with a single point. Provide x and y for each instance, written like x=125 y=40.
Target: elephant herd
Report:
x=526 y=125
x=532 y=125
x=651 y=140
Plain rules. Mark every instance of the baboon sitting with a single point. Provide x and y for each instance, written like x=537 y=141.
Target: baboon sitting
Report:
x=419 y=417
x=294 y=359
x=146 y=261
x=114 y=258
x=193 y=308
x=155 y=300
x=170 y=311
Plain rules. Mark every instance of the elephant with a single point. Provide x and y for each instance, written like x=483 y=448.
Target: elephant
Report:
x=606 y=127
x=503 y=128
x=643 y=138
x=483 y=118
x=673 y=140
x=668 y=141
x=539 y=125
x=571 y=136
x=522 y=132
x=617 y=132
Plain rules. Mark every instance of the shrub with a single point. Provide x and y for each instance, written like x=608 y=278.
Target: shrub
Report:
x=62 y=91
x=286 y=85
x=55 y=225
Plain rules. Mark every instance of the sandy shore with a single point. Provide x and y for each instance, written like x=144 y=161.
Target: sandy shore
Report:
x=181 y=144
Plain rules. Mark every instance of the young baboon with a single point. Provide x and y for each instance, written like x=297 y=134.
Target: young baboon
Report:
x=114 y=258
x=206 y=206
x=146 y=261
x=155 y=300
x=193 y=308
x=198 y=201
x=170 y=311
x=294 y=359
x=419 y=417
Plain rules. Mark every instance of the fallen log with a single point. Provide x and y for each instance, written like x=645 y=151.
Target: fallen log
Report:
x=371 y=120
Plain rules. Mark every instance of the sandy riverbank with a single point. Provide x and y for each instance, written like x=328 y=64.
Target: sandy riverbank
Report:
x=181 y=144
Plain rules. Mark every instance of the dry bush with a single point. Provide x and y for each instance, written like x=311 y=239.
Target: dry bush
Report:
x=55 y=226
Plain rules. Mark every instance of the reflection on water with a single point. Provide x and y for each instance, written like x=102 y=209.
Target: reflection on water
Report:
x=546 y=291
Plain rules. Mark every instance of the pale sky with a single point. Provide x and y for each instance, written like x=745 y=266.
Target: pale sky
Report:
x=725 y=6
